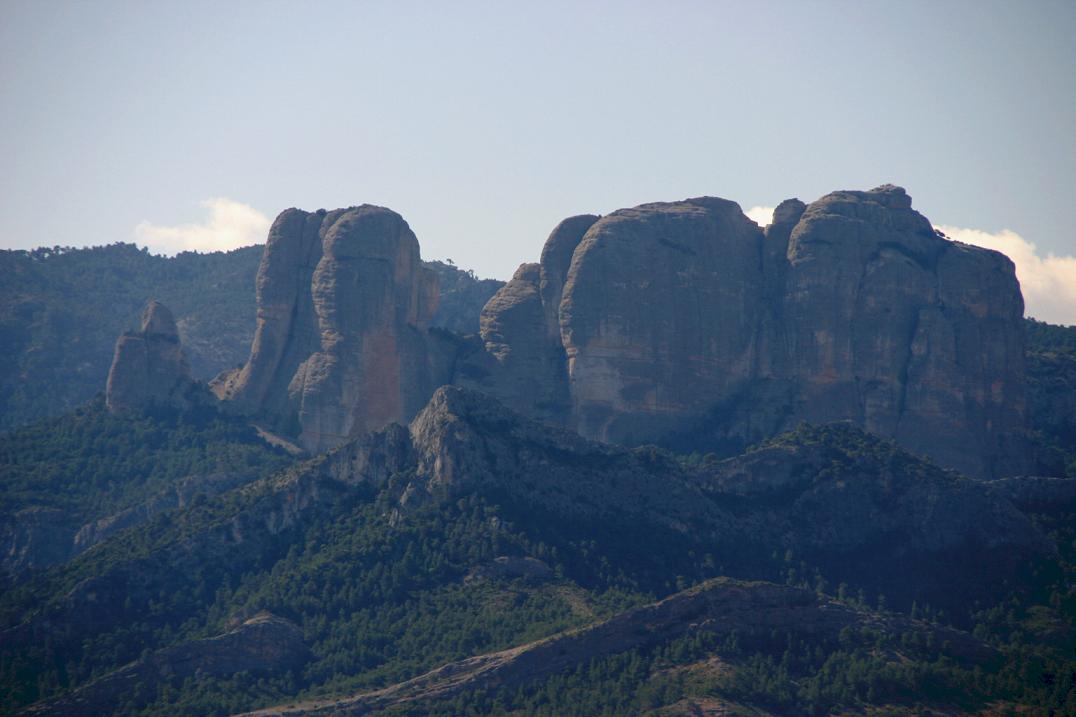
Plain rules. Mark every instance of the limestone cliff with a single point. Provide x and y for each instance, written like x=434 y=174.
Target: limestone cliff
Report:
x=907 y=334
x=149 y=367
x=340 y=346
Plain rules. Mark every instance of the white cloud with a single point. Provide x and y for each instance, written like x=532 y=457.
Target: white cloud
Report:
x=1048 y=282
x=760 y=215
x=230 y=225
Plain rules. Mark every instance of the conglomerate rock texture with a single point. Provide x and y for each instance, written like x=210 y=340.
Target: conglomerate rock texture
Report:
x=686 y=324
x=340 y=347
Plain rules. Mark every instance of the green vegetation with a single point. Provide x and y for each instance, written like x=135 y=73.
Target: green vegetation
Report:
x=90 y=463
x=61 y=310
x=1051 y=383
x=382 y=595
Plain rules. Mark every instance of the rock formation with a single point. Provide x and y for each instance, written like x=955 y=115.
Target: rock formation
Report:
x=683 y=324
x=524 y=364
x=907 y=334
x=149 y=367
x=686 y=324
x=340 y=346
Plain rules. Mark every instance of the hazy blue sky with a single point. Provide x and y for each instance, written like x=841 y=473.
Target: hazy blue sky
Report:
x=483 y=124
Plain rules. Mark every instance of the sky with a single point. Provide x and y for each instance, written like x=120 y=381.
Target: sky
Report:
x=190 y=125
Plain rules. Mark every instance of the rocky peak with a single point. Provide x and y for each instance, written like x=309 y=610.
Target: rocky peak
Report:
x=524 y=363
x=149 y=367
x=660 y=310
x=158 y=320
x=788 y=212
x=556 y=261
x=881 y=317
x=681 y=323
x=340 y=346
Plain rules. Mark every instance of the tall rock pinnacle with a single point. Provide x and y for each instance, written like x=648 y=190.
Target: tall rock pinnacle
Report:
x=148 y=367
x=340 y=347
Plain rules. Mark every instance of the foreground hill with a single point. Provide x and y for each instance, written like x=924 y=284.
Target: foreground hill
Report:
x=476 y=531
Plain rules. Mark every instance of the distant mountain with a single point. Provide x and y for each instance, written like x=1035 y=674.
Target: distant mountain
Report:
x=61 y=310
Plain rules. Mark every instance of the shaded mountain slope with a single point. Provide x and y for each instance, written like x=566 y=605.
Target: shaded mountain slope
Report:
x=67 y=483
x=754 y=611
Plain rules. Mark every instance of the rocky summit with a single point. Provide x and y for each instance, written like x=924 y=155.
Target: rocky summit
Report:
x=686 y=324
x=683 y=324
x=340 y=346
x=149 y=367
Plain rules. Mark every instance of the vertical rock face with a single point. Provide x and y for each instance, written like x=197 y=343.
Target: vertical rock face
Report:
x=524 y=363
x=684 y=323
x=903 y=332
x=660 y=316
x=679 y=323
x=340 y=346
x=149 y=368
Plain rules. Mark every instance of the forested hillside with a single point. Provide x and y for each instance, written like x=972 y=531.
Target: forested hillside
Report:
x=1051 y=381
x=61 y=310
x=373 y=564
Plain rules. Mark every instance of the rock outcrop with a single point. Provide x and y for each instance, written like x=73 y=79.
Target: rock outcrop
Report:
x=341 y=345
x=683 y=324
x=149 y=368
x=524 y=364
x=686 y=324
x=907 y=334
